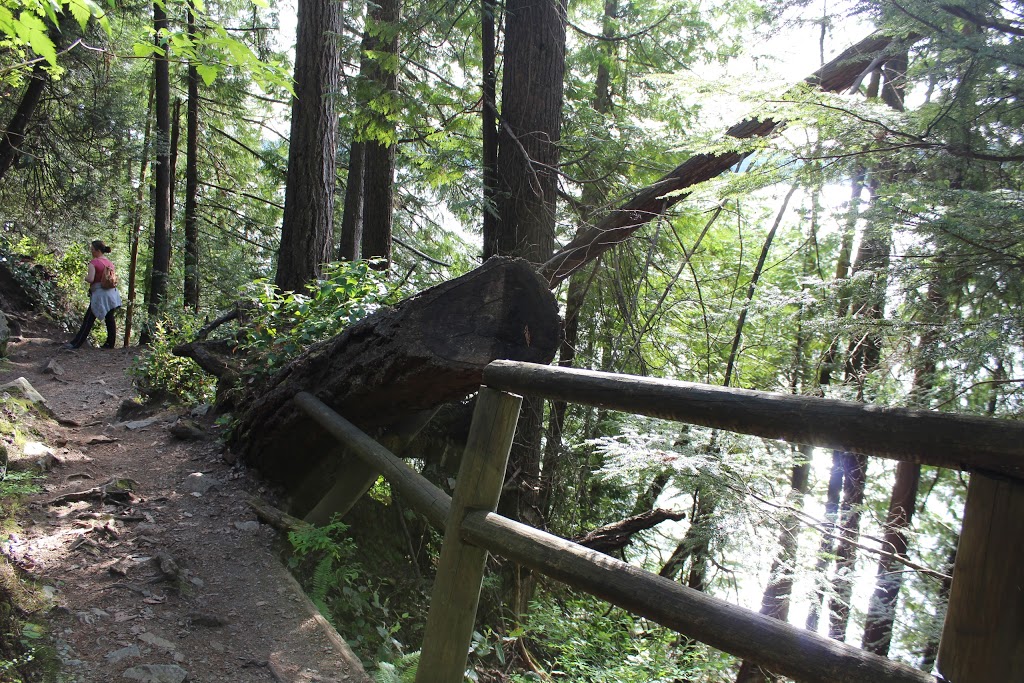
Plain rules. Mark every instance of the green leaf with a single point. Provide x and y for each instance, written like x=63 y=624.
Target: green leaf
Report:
x=207 y=72
x=146 y=49
x=31 y=29
x=81 y=11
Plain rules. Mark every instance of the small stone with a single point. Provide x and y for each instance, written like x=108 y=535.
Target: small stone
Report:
x=136 y=425
x=156 y=673
x=251 y=525
x=197 y=482
x=53 y=368
x=156 y=641
x=124 y=653
x=187 y=430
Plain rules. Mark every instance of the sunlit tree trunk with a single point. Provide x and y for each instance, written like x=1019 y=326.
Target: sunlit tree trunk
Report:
x=307 y=231
x=162 y=172
x=137 y=222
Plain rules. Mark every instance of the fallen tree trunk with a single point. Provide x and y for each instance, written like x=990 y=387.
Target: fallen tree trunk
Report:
x=393 y=366
x=614 y=537
x=842 y=73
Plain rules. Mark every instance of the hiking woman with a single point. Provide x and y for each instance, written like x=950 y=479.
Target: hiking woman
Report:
x=102 y=301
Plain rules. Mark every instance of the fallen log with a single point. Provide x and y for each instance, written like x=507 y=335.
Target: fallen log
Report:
x=393 y=366
x=843 y=72
x=616 y=536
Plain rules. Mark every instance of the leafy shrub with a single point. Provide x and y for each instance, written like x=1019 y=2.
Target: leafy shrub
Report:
x=159 y=374
x=581 y=638
x=283 y=324
x=50 y=279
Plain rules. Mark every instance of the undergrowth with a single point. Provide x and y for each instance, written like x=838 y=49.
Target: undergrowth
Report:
x=351 y=595
x=276 y=327
x=25 y=656
x=160 y=375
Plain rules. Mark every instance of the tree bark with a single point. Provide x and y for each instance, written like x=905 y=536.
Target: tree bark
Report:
x=162 y=172
x=428 y=350
x=191 y=285
x=528 y=139
x=381 y=36
x=488 y=118
x=612 y=538
x=352 y=217
x=528 y=154
x=308 y=227
x=14 y=134
x=137 y=222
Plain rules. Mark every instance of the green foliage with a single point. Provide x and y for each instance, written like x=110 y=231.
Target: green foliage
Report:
x=337 y=584
x=49 y=278
x=283 y=324
x=159 y=374
x=402 y=670
x=26 y=27
x=580 y=638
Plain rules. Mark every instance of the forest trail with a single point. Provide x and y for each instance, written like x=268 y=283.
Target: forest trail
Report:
x=181 y=582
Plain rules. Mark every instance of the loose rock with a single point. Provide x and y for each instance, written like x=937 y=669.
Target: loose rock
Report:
x=156 y=673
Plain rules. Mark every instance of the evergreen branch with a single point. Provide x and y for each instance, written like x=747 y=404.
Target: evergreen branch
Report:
x=978 y=384
x=964 y=13
x=243 y=194
x=250 y=150
x=820 y=527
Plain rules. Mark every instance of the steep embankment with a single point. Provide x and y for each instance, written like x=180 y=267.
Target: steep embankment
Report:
x=172 y=578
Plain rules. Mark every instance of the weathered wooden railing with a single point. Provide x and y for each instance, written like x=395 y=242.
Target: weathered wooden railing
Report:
x=983 y=639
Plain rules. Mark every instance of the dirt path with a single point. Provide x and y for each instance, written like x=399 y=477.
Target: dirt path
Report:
x=182 y=583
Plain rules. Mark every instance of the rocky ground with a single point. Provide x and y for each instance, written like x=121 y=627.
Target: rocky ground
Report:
x=157 y=568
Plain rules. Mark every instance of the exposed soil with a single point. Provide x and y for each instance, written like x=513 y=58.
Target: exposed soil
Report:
x=176 y=577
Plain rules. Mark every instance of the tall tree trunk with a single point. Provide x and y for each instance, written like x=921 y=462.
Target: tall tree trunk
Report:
x=528 y=154
x=834 y=491
x=175 y=139
x=136 y=233
x=162 y=210
x=308 y=227
x=14 y=133
x=828 y=366
x=882 y=608
x=381 y=37
x=488 y=118
x=775 y=600
x=352 y=217
x=594 y=194
x=191 y=285
x=530 y=131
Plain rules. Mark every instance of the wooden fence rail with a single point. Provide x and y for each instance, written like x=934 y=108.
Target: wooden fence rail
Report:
x=471 y=528
x=926 y=437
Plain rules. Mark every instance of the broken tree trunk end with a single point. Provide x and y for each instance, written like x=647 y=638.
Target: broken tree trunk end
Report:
x=429 y=349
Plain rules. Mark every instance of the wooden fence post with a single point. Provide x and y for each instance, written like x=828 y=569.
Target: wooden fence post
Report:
x=983 y=637
x=456 y=593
